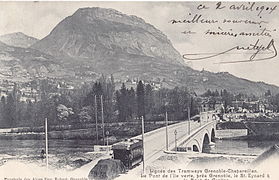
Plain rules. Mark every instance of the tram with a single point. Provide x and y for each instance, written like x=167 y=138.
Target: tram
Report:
x=129 y=152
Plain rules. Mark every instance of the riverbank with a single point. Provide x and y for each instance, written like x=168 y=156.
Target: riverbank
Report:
x=60 y=165
x=117 y=131
x=260 y=128
x=34 y=168
x=56 y=161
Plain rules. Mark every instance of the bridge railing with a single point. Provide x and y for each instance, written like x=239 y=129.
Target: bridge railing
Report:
x=193 y=134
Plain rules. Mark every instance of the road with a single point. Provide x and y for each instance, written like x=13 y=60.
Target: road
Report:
x=155 y=144
x=155 y=141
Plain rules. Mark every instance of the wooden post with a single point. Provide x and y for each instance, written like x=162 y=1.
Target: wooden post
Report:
x=143 y=159
x=175 y=140
x=167 y=138
x=107 y=134
x=189 y=128
x=46 y=143
x=96 y=118
x=103 y=125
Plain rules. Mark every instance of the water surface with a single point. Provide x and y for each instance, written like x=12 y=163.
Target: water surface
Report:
x=242 y=147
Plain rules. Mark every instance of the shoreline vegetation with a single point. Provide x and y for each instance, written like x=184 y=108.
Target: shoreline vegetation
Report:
x=117 y=131
x=257 y=129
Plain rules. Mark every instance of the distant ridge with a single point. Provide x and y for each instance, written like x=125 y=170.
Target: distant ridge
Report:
x=18 y=39
x=23 y=64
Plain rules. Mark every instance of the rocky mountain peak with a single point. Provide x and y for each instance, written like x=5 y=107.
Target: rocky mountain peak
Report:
x=112 y=15
x=100 y=33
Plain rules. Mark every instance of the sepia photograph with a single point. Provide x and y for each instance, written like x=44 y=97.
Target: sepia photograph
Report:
x=139 y=90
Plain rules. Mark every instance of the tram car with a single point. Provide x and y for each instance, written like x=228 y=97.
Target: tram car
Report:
x=129 y=152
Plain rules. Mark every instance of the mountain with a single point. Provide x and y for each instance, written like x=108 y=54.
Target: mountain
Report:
x=18 y=39
x=106 y=41
x=104 y=34
x=22 y=64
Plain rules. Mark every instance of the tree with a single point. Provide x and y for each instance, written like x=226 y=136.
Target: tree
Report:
x=29 y=114
x=84 y=115
x=274 y=101
x=50 y=106
x=149 y=104
x=239 y=97
x=118 y=104
x=267 y=93
x=160 y=101
x=174 y=102
x=212 y=102
x=63 y=112
x=10 y=112
x=216 y=93
x=140 y=99
x=110 y=88
x=2 y=111
x=194 y=108
x=227 y=99
x=123 y=103
x=208 y=93
x=132 y=105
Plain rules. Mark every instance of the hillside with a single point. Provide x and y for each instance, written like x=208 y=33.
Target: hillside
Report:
x=18 y=39
x=22 y=64
x=96 y=41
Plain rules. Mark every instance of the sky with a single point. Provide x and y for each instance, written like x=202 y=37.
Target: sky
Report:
x=37 y=19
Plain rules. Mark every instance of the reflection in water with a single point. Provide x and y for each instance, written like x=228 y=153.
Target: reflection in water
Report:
x=34 y=147
x=205 y=144
x=241 y=147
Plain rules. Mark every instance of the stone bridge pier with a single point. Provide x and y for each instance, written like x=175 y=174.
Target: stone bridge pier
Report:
x=199 y=140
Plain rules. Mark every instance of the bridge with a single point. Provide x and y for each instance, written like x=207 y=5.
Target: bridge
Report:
x=187 y=136
x=200 y=135
x=190 y=136
x=200 y=139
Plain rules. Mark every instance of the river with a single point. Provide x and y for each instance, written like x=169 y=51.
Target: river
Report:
x=62 y=152
x=241 y=147
x=34 y=147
